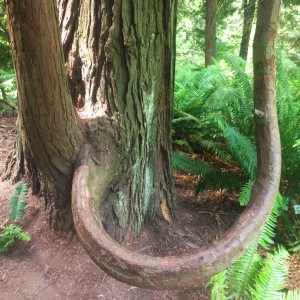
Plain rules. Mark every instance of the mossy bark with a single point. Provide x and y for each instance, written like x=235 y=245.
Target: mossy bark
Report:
x=120 y=62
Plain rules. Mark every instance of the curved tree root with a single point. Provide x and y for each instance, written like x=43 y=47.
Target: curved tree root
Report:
x=168 y=272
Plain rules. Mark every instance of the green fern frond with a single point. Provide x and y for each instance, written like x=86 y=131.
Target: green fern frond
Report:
x=9 y=234
x=241 y=148
x=290 y=295
x=217 y=286
x=271 y=279
x=245 y=193
x=18 y=202
x=241 y=275
x=231 y=181
x=268 y=232
x=186 y=164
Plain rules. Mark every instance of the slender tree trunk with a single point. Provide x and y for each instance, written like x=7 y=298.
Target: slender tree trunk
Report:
x=210 y=31
x=46 y=113
x=249 y=9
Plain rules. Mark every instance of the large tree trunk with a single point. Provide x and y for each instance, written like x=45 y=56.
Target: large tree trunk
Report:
x=120 y=68
x=210 y=31
x=46 y=112
x=121 y=65
x=249 y=9
x=190 y=270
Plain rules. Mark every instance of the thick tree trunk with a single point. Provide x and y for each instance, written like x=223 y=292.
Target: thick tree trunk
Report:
x=46 y=111
x=249 y=9
x=120 y=62
x=210 y=31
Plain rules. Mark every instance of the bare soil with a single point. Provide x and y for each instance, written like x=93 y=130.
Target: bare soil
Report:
x=52 y=267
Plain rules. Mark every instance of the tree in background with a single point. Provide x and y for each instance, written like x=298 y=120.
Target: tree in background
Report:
x=210 y=31
x=249 y=9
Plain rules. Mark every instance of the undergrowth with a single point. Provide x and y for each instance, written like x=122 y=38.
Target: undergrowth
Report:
x=11 y=232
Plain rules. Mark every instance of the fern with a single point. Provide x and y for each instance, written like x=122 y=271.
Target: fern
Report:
x=186 y=164
x=241 y=275
x=241 y=148
x=9 y=234
x=218 y=287
x=270 y=281
x=290 y=295
x=245 y=193
x=268 y=232
x=18 y=202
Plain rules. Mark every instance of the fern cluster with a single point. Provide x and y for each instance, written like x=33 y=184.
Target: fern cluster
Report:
x=213 y=113
x=17 y=204
x=254 y=276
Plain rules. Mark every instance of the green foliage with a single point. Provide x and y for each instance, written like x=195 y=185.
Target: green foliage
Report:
x=241 y=275
x=8 y=91
x=9 y=234
x=245 y=193
x=218 y=287
x=252 y=276
x=186 y=164
x=290 y=295
x=5 y=49
x=270 y=280
x=18 y=202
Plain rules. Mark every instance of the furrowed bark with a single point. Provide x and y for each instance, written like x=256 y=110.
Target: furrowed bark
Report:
x=190 y=270
x=46 y=111
x=120 y=64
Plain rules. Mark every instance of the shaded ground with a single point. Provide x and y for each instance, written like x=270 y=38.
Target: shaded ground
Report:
x=50 y=267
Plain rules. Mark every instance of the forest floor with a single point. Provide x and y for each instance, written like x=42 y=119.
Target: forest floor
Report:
x=52 y=267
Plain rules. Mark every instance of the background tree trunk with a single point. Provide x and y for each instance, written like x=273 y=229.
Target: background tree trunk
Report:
x=210 y=31
x=249 y=9
x=45 y=105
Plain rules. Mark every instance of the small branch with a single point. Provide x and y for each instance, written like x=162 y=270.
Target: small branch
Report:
x=8 y=104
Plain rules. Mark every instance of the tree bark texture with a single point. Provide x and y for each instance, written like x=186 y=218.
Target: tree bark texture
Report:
x=210 y=31
x=190 y=270
x=120 y=64
x=249 y=9
x=47 y=115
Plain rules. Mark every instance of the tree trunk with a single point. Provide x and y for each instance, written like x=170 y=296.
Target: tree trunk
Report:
x=210 y=31
x=121 y=65
x=46 y=113
x=249 y=9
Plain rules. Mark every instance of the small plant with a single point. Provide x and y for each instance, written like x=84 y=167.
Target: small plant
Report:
x=18 y=202
x=9 y=234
